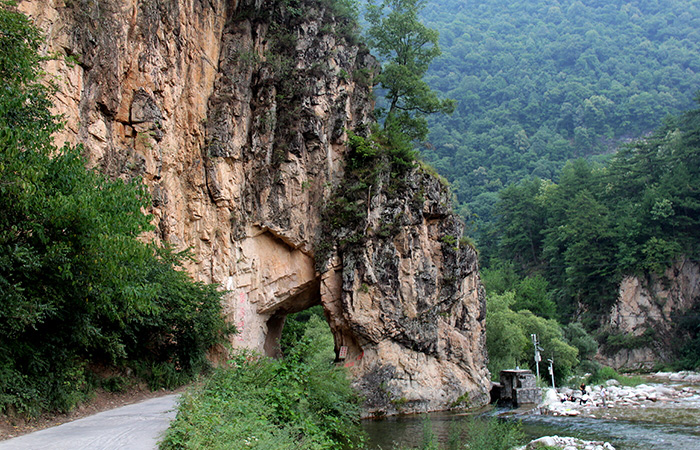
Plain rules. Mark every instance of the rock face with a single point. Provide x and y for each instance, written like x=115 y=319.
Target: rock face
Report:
x=234 y=113
x=646 y=315
x=412 y=305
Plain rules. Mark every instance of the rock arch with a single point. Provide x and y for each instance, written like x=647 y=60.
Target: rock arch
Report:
x=270 y=279
x=274 y=278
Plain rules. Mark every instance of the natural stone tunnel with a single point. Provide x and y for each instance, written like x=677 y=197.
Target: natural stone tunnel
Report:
x=306 y=298
x=273 y=279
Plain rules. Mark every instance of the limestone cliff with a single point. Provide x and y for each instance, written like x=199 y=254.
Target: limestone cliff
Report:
x=644 y=321
x=235 y=114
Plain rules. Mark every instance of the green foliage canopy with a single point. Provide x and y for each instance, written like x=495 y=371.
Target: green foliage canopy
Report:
x=538 y=83
x=635 y=215
x=508 y=338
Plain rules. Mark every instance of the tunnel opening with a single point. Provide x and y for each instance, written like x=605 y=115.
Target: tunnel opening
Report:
x=341 y=347
x=295 y=327
x=283 y=281
x=288 y=323
x=306 y=301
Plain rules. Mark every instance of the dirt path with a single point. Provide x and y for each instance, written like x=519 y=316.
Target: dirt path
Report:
x=135 y=427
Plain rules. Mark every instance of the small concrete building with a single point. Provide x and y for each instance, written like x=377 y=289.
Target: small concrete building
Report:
x=519 y=387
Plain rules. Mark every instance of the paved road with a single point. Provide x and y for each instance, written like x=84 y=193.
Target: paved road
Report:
x=133 y=427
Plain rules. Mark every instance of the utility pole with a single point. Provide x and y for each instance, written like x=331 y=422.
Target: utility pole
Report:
x=551 y=370
x=538 y=358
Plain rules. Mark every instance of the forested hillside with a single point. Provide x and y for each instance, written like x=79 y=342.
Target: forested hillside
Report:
x=580 y=236
x=540 y=82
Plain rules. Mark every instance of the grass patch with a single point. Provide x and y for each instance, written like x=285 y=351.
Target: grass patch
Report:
x=477 y=433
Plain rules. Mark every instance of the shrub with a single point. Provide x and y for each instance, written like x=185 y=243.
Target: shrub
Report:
x=303 y=401
x=604 y=373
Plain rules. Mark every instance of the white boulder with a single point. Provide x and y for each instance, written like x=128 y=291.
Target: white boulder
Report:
x=567 y=443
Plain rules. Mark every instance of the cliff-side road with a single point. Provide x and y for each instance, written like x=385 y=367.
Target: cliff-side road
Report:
x=133 y=427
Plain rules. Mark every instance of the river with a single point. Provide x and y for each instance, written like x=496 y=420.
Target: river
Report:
x=635 y=432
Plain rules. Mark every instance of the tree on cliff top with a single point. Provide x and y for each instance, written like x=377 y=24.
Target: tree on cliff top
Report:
x=407 y=48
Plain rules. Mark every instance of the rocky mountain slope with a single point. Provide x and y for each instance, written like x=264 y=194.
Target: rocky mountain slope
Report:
x=645 y=322
x=235 y=114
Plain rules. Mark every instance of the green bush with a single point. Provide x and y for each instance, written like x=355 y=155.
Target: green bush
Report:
x=303 y=401
x=604 y=373
x=115 y=383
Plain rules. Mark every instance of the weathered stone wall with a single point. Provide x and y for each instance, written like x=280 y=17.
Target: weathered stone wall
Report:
x=650 y=307
x=234 y=113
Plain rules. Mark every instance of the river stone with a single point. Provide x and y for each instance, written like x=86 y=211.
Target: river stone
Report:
x=665 y=391
x=547 y=441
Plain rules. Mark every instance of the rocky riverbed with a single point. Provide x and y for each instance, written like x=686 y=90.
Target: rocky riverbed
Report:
x=611 y=400
x=566 y=443
x=665 y=400
x=670 y=422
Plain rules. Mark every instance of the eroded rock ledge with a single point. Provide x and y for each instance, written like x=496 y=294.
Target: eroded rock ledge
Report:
x=234 y=113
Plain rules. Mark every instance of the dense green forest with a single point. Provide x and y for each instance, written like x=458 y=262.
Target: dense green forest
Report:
x=539 y=82
x=84 y=300
x=637 y=214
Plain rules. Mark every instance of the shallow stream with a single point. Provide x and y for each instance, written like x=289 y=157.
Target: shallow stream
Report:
x=648 y=429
